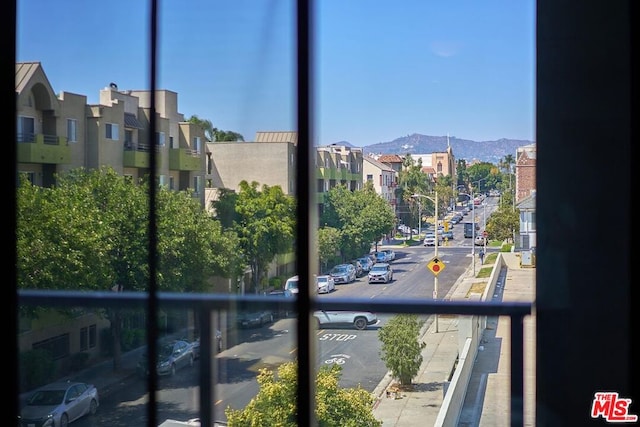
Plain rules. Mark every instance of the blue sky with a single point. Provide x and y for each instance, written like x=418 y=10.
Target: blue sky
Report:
x=383 y=70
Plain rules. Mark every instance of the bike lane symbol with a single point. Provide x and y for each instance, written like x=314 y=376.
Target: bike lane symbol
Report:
x=338 y=359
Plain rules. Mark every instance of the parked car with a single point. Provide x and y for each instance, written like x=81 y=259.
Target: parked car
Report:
x=196 y=344
x=172 y=356
x=343 y=273
x=326 y=284
x=430 y=239
x=381 y=256
x=254 y=319
x=381 y=272
x=291 y=284
x=447 y=235
x=358 y=265
x=366 y=263
x=58 y=404
x=358 y=319
x=391 y=255
x=281 y=311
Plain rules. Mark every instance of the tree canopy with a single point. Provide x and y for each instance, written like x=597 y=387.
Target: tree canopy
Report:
x=276 y=401
x=401 y=352
x=264 y=220
x=361 y=218
x=90 y=232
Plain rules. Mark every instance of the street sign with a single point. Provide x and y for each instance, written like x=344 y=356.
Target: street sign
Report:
x=436 y=266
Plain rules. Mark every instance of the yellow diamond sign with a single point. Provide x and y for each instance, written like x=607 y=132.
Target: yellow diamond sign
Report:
x=436 y=266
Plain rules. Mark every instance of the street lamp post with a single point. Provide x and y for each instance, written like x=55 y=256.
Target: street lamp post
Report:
x=419 y=219
x=435 y=233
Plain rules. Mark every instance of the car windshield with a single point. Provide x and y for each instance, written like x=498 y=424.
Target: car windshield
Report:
x=379 y=268
x=340 y=269
x=46 y=397
x=292 y=284
x=166 y=350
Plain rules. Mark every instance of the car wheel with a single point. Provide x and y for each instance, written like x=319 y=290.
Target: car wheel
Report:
x=360 y=323
x=93 y=407
x=64 y=420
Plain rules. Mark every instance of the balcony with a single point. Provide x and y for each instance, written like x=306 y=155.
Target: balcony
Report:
x=137 y=155
x=184 y=159
x=43 y=149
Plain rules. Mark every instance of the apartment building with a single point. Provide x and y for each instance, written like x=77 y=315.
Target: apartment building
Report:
x=269 y=160
x=338 y=165
x=57 y=133
x=525 y=171
x=383 y=178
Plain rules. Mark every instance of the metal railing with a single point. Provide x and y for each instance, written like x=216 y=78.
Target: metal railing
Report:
x=205 y=304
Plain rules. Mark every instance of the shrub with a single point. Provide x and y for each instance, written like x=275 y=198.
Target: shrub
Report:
x=37 y=368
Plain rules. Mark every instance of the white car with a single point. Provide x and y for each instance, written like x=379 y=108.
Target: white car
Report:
x=291 y=284
x=430 y=239
x=381 y=272
x=59 y=404
x=391 y=255
x=358 y=319
x=480 y=241
x=326 y=284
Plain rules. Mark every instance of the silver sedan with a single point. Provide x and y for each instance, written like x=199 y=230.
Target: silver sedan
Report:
x=58 y=404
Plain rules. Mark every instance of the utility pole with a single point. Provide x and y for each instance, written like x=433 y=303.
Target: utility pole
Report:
x=435 y=233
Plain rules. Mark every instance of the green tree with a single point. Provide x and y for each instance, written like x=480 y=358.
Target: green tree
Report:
x=328 y=246
x=206 y=126
x=411 y=180
x=502 y=223
x=265 y=224
x=401 y=351
x=90 y=233
x=226 y=136
x=215 y=134
x=483 y=176
x=361 y=217
x=275 y=403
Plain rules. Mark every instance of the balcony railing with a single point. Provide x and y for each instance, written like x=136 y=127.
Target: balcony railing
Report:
x=206 y=304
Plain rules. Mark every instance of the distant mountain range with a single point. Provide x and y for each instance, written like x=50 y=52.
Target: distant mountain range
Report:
x=484 y=151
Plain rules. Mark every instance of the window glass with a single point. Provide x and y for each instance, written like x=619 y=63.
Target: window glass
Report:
x=230 y=231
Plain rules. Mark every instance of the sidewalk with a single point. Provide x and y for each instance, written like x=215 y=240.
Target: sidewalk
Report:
x=487 y=400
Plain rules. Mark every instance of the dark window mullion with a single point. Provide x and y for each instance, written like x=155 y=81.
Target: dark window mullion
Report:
x=305 y=209
x=152 y=303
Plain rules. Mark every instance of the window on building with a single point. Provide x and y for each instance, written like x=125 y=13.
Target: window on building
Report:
x=160 y=139
x=197 y=144
x=128 y=138
x=84 y=339
x=26 y=129
x=111 y=131
x=93 y=336
x=72 y=130
x=562 y=328
x=58 y=346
